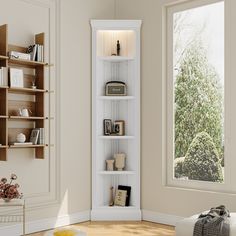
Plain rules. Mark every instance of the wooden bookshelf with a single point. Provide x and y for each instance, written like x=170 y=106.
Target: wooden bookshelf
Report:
x=11 y=98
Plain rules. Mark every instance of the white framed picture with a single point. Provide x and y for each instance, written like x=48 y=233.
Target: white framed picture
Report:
x=16 y=78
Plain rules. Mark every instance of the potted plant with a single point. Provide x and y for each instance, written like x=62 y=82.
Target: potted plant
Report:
x=9 y=191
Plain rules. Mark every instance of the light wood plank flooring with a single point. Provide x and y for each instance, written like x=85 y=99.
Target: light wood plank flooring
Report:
x=142 y=228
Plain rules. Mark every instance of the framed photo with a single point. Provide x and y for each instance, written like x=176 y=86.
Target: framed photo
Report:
x=34 y=136
x=120 y=198
x=107 y=126
x=16 y=78
x=128 y=189
x=119 y=127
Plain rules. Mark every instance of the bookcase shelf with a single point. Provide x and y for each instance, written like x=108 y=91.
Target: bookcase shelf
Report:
x=27 y=90
x=115 y=58
x=27 y=146
x=123 y=68
x=116 y=172
x=3 y=57
x=27 y=118
x=14 y=98
x=27 y=63
x=118 y=98
x=114 y=137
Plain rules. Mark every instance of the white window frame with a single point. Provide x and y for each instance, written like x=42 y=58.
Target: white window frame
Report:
x=168 y=101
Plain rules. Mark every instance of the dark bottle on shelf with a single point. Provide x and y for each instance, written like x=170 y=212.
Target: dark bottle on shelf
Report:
x=118 y=48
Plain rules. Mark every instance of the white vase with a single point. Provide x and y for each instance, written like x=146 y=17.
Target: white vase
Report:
x=20 y=138
x=119 y=161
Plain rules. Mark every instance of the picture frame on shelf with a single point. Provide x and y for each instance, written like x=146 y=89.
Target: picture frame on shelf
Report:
x=128 y=189
x=107 y=126
x=119 y=127
x=34 y=136
x=120 y=197
x=16 y=78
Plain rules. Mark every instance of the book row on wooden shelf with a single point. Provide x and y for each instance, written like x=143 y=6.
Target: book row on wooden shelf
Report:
x=34 y=53
x=36 y=138
x=16 y=78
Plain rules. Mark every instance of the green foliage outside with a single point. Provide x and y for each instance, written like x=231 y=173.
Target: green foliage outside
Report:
x=202 y=161
x=198 y=103
x=178 y=165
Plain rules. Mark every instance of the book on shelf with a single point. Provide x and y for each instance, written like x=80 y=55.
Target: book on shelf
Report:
x=32 y=50
x=37 y=136
x=41 y=139
x=22 y=144
x=3 y=76
x=36 y=52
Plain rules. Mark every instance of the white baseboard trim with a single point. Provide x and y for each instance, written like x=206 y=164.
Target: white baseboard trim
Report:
x=45 y=224
x=160 y=217
x=116 y=214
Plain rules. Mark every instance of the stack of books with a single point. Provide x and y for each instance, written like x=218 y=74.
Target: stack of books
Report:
x=36 y=52
x=37 y=136
x=3 y=76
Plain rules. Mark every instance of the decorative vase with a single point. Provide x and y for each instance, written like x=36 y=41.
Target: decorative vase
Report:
x=110 y=165
x=20 y=138
x=119 y=161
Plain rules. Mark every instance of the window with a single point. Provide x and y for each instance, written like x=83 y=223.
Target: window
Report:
x=195 y=94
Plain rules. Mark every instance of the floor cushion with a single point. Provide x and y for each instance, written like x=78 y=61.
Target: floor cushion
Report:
x=185 y=227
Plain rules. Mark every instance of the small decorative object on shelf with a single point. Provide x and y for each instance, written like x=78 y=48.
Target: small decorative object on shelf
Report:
x=118 y=48
x=111 y=201
x=115 y=88
x=24 y=112
x=128 y=189
x=20 y=138
x=110 y=165
x=16 y=78
x=119 y=161
x=9 y=191
x=107 y=126
x=120 y=198
x=33 y=86
x=119 y=127
x=19 y=55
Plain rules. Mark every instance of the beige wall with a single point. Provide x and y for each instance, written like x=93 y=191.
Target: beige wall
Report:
x=75 y=98
x=155 y=196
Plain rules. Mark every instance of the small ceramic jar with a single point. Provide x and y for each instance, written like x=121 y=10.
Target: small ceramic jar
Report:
x=20 y=138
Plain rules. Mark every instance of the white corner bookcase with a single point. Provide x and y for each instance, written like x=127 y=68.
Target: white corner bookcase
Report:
x=125 y=68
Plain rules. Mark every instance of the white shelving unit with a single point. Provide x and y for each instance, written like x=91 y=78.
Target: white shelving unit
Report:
x=125 y=68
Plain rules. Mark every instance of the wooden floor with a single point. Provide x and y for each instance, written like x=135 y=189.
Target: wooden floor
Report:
x=142 y=228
